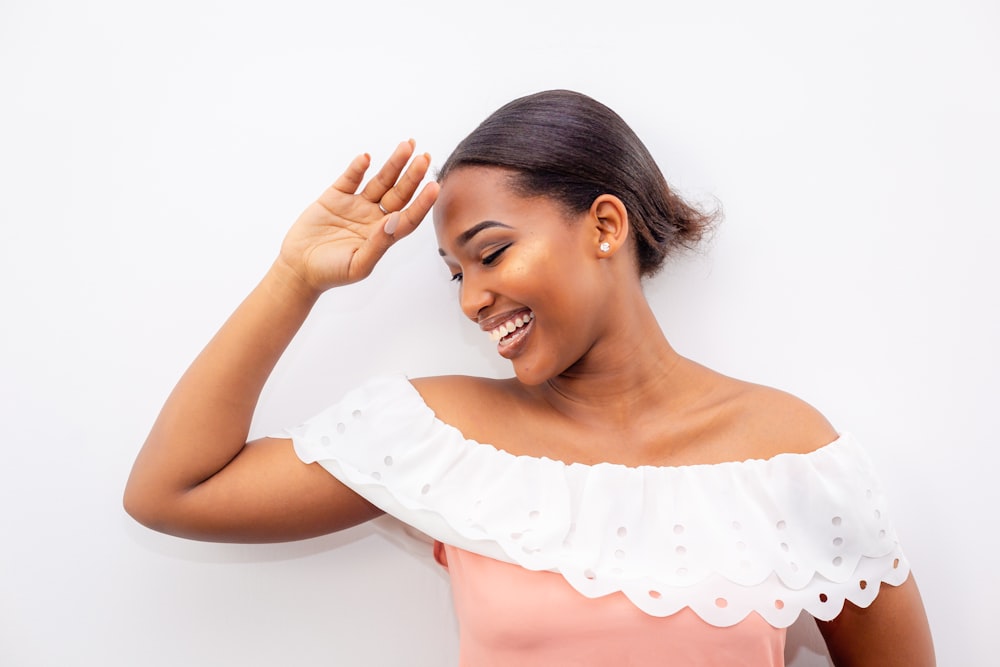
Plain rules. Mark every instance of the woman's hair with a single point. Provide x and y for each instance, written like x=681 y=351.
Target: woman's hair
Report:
x=570 y=147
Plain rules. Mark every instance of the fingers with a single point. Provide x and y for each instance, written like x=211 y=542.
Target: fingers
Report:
x=401 y=223
x=400 y=194
x=387 y=189
x=398 y=225
x=421 y=206
x=350 y=180
x=386 y=177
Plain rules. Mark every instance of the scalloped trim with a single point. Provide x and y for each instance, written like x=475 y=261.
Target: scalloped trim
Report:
x=778 y=536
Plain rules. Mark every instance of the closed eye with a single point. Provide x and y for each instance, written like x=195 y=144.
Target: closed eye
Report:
x=494 y=256
x=487 y=261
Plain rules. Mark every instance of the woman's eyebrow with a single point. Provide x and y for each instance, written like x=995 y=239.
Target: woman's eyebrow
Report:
x=469 y=233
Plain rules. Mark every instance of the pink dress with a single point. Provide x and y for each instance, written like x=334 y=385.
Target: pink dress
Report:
x=565 y=564
x=511 y=616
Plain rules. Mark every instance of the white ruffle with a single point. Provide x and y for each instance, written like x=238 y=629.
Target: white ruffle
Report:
x=777 y=536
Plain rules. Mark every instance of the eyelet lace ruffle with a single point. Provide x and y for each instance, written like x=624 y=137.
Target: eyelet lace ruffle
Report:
x=778 y=536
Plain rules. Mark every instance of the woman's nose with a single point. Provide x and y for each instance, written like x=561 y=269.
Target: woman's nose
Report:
x=474 y=297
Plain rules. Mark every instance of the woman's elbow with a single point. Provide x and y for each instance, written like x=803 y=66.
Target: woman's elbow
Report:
x=137 y=504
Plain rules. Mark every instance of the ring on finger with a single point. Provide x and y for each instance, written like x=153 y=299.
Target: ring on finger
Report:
x=382 y=208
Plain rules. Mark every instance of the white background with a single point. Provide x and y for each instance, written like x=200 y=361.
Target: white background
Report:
x=151 y=158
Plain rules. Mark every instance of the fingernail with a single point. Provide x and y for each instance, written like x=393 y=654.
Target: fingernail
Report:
x=392 y=223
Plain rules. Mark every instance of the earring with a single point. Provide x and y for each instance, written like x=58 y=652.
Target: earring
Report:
x=605 y=246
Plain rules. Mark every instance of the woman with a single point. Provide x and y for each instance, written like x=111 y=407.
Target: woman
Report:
x=631 y=506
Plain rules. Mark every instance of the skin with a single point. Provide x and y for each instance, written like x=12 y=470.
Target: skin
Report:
x=592 y=368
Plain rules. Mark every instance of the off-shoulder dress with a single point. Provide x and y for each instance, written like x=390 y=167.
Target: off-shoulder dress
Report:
x=571 y=564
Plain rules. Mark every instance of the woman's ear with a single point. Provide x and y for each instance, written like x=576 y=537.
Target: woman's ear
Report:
x=609 y=223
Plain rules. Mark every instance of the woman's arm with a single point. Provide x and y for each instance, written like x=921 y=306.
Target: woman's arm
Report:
x=892 y=631
x=196 y=476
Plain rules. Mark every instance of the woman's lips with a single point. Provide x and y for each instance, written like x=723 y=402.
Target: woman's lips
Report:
x=510 y=344
x=511 y=325
x=509 y=330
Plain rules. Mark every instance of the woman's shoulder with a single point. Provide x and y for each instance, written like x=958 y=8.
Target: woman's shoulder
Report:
x=738 y=421
x=441 y=392
x=444 y=387
x=768 y=421
x=463 y=400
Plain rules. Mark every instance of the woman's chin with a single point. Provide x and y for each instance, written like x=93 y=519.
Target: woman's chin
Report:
x=531 y=376
x=534 y=374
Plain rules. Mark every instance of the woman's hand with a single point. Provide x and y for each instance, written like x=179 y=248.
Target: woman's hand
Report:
x=196 y=476
x=340 y=237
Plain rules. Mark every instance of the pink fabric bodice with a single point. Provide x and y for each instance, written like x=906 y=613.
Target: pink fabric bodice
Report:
x=510 y=616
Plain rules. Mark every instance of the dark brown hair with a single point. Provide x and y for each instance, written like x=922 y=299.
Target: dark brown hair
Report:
x=570 y=147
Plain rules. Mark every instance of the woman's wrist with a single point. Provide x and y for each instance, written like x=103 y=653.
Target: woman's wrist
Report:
x=288 y=285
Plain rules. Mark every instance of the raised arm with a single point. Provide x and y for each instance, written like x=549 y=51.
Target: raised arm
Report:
x=196 y=476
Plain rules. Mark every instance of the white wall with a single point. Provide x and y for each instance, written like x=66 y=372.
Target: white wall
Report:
x=151 y=159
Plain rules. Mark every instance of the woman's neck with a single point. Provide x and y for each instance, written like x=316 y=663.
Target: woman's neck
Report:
x=630 y=370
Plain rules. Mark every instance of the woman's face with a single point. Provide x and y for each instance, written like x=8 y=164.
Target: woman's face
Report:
x=528 y=273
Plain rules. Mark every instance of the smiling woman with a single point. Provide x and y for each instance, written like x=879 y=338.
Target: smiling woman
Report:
x=567 y=147
x=613 y=502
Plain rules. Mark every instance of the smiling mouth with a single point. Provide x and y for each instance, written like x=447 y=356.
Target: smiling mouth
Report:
x=505 y=331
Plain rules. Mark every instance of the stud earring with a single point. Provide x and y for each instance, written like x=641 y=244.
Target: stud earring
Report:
x=605 y=246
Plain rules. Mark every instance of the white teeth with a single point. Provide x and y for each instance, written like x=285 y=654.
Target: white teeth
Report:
x=511 y=326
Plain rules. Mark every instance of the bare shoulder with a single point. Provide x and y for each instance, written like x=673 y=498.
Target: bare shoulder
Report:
x=443 y=385
x=466 y=402
x=444 y=390
x=772 y=422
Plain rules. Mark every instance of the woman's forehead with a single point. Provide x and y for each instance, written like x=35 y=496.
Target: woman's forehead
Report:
x=469 y=193
x=472 y=197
